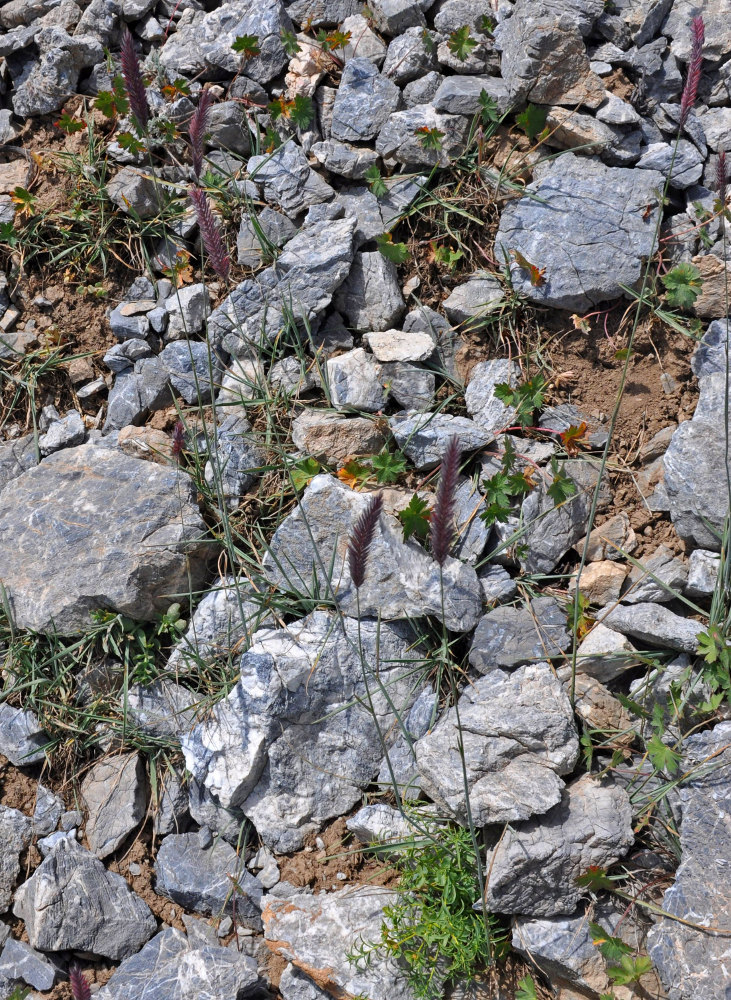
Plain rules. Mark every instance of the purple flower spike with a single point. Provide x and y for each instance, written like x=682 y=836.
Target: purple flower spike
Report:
x=690 y=91
x=132 y=74
x=210 y=233
x=442 y=518
x=361 y=539
x=197 y=129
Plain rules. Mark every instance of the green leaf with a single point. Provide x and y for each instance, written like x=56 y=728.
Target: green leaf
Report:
x=247 y=45
x=303 y=472
x=525 y=398
x=683 y=285
x=289 y=43
x=461 y=43
x=112 y=104
x=630 y=970
x=396 y=252
x=594 y=878
x=429 y=138
x=375 y=181
x=69 y=124
x=612 y=948
x=388 y=467
x=301 y=111
x=23 y=198
x=415 y=518
x=532 y=120
x=485 y=24
x=708 y=646
x=663 y=757
x=131 y=143
x=488 y=108
x=526 y=989
x=562 y=486
x=8 y=234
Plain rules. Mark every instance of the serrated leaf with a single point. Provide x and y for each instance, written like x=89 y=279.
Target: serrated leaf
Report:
x=461 y=43
x=354 y=473
x=375 y=181
x=396 y=252
x=289 y=43
x=683 y=285
x=69 y=124
x=388 y=467
x=415 y=518
x=301 y=111
x=612 y=948
x=488 y=107
x=111 y=104
x=663 y=757
x=303 y=472
x=131 y=143
x=526 y=989
x=573 y=438
x=532 y=120
x=247 y=45
x=594 y=878
x=535 y=273
x=562 y=487
x=630 y=970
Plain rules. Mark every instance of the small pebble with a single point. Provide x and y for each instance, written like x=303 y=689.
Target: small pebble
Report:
x=133 y=868
x=320 y=843
x=342 y=876
x=225 y=927
x=205 y=838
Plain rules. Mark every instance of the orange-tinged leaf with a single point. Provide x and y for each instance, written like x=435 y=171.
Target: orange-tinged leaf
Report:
x=353 y=473
x=536 y=273
x=573 y=438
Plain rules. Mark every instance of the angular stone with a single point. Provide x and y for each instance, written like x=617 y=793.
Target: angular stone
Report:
x=611 y=540
x=471 y=532
x=295 y=985
x=187 y=309
x=410 y=56
x=64 y=433
x=114 y=792
x=356 y=382
x=380 y=824
x=16 y=832
x=112 y=921
x=46 y=83
x=489 y=412
x=363 y=43
x=400 y=139
x=600 y=582
x=646 y=582
x=203 y=880
x=343 y=159
x=235 y=460
x=424 y=437
x=370 y=297
x=510 y=637
x=533 y=870
x=497 y=585
x=518 y=736
x=16 y=457
x=128 y=534
x=316 y=934
x=690 y=962
x=332 y=438
x=135 y=192
x=656 y=625
x=473 y=301
x=47 y=811
x=605 y=654
x=376 y=216
x=460 y=95
x=688 y=165
x=423 y=90
x=717 y=44
x=21 y=737
x=19 y=961
x=293 y=744
x=397 y=345
x=170 y=807
x=590 y=231
x=703 y=569
x=161 y=709
x=364 y=101
x=288 y=180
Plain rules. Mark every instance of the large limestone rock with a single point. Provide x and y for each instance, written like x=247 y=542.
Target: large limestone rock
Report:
x=122 y=534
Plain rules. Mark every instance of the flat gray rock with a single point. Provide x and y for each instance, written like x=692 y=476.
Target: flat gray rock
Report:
x=690 y=963
x=203 y=880
x=19 y=961
x=489 y=412
x=364 y=101
x=423 y=437
x=171 y=967
x=656 y=625
x=161 y=709
x=235 y=460
x=660 y=578
x=113 y=921
x=533 y=870
x=508 y=637
x=401 y=581
x=519 y=735
x=135 y=192
x=370 y=297
x=356 y=382
x=590 y=231
x=293 y=745
x=48 y=81
x=16 y=831
x=400 y=139
x=332 y=437
x=21 y=737
x=47 y=811
x=127 y=532
x=115 y=794
x=288 y=180
x=316 y=934
x=16 y=457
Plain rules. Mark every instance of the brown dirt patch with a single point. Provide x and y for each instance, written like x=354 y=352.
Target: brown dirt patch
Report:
x=17 y=789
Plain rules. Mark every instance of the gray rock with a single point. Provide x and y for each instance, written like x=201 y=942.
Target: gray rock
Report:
x=615 y=111
x=161 y=709
x=135 y=192
x=16 y=832
x=169 y=967
x=423 y=90
x=128 y=534
x=322 y=13
x=587 y=252
x=276 y=228
x=70 y=820
x=450 y=15
x=115 y=794
x=204 y=43
x=691 y=963
x=343 y=159
x=703 y=569
x=688 y=165
x=288 y=180
x=113 y=921
x=21 y=737
x=380 y=824
x=370 y=297
x=401 y=141
x=332 y=438
x=476 y=299
x=46 y=83
x=471 y=531
x=460 y=95
x=376 y=216
x=355 y=381
x=512 y=767
x=47 y=811
x=658 y=67
x=193 y=370
x=656 y=625
x=605 y=654
x=17 y=457
x=489 y=413
x=397 y=345
x=295 y=985
x=187 y=310
x=509 y=637
x=211 y=880
x=171 y=804
x=19 y=961
x=316 y=933
x=393 y=17
x=293 y=744
x=410 y=386
x=424 y=437
x=660 y=578
x=302 y=282
x=235 y=461
x=125 y=327
x=410 y=56
x=64 y=433
x=482 y=60
x=533 y=870
x=716 y=123
x=231 y=824
x=47 y=845
x=364 y=102
x=544 y=59
x=363 y=43
x=717 y=42
x=227 y=128
x=124 y=406
x=498 y=586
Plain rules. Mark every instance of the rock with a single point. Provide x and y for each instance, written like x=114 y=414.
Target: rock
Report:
x=204 y=43
x=242 y=381
x=370 y=297
x=691 y=963
x=397 y=345
x=169 y=967
x=170 y=809
x=660 y=578
x=122 y=357
x=332 y=438
x=187 y=309
x=380 y=824
x=716 y=123
x=401 y=140
x=21 y=737
x=343 y=159
x=135 y=192
x=512 y=767
x=688 y=165
x=316 y=934
x=228 y=129
x=410 y=56
x=399 y=765
x=600 y=711
x=613 y=539
x=364 y=102
x=293 y=744
x=301 y=283
x=424 y=437
x=474 y=300
x=489 y=412
x=717 y=37
x=711 y=303
x=16 y=832
x=16 y=457
x=114 y=792
x=161 y=709
x=703 y=569
x=288 y=180
x=533 y=870
x=114 y=922
x=260 y=234
x=605 y=654
x=46 y=83
x=510 y=637
x=356 y=382
x=212 y=880
x=146 y=443
x=376 y=216
x=47 y=811
x=127 y=533
x=423 y=90
x=460 y=95
x=615 y=111
x=235 y=461
x=497 y=585
x=471 y=531
x=192 y=369
x=64 y=433
x=569 y=130
x=295 y=985
x=656 y=625
x=544 y=60
x=19 y=961
x=587 y=253
x=363 y=43
x=600 y=582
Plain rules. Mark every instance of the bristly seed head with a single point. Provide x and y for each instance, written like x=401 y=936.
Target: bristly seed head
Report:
x=133 y=82
x=698 y=32
x=721 y=179
x=210 y=233
x=178 y=440
x=197 y=128
x=79 y=986
x=442 y=517
x=361 y=538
